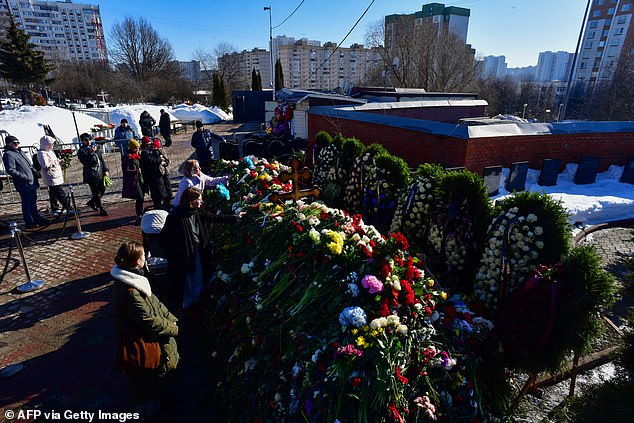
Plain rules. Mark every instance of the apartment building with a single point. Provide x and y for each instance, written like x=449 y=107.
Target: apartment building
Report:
x=258 y=59
x=307 y=64
x=450 y=19
x=607 y=39
x=553 y=66
x=62 y=30
x=494 y=66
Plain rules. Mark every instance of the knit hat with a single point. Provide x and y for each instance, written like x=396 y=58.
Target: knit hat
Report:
x=157 y=143
x=124 y=121
x=10 y=138
x=146 y=140
x=199 y=124
x=133 y=144
x=47 y=143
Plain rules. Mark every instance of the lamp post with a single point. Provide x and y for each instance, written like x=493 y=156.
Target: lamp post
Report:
x=524 y=111
x=561 y=106
x=272 y=80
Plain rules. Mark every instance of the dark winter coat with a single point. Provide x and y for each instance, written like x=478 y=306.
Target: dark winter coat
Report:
x=206 y=144
x=136 y=308
x=147 y=122
x=94 y=165
x=186 y=231
x=155 y=174
x=164 y=124
x=19 y=167
x=132 y=177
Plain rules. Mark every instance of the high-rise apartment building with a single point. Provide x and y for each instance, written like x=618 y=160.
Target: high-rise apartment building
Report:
x=607 y=39
x=553 y=66
x=449 y=19
x=62 y=30
x=494 y=66
x=307 y=64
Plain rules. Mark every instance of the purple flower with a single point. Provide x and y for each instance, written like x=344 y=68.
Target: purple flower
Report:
x=372 y=284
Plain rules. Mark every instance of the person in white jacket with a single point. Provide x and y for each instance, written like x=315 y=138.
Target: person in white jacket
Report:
x=194 y=177
x=53 y=176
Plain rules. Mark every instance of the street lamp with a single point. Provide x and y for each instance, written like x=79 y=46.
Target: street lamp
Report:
x=561 y=106
x=272 y=80
x=524 y=111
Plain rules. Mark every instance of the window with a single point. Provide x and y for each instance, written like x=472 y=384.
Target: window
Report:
x=621 y=20
x=591 y=35
x=611 y=11
x=599 y=3
x=615 y=42
x=601 y=43
x=594 y=24
x=626 y=7
x=596 y=14
x=588 y=44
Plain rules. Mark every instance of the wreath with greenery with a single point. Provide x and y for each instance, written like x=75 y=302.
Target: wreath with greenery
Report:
x=359 y=177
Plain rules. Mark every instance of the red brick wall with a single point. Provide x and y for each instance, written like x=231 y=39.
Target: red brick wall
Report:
x=416 y=147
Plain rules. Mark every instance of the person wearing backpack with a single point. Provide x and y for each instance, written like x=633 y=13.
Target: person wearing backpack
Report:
x=52 y=175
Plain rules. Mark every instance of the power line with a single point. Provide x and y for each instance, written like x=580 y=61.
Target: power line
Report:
x=288 y=17
x=339 y=45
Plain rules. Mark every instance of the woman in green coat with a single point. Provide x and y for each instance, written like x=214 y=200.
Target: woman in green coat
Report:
x=138 y=312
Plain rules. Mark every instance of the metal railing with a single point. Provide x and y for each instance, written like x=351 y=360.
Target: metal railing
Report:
x=73 y=174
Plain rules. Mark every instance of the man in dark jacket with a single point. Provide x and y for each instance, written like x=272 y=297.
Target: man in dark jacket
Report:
x=95 y=168
x=207 y=147
x=147 y=122
x=165 y=127
x=22 y=173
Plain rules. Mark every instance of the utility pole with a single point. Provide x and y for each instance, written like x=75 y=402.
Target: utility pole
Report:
x=272 y=81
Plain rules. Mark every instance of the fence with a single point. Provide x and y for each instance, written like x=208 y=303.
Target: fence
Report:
x=73 y=175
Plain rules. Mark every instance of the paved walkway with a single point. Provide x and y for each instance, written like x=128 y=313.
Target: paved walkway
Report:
x=62 y=334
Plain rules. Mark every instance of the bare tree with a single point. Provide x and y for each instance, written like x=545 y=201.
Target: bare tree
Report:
x=426 y=58
x=138 y=50
x=81 y=79
x=230 y=67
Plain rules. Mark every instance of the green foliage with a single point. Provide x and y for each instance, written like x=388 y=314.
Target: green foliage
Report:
x=279 y=76
x=552 y=217
x=376 y=149
x=395 y=169
x=219 y=94
x=256 y=80
x=323 y=139
x=20 y=62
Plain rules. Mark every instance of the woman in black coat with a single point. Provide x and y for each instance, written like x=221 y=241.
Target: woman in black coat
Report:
x=154 y=167
x=147 y=123
x=185 y=240
x=95 y=168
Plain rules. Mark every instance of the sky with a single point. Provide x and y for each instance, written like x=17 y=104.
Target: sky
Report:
x=517 y=29
x=605 y=200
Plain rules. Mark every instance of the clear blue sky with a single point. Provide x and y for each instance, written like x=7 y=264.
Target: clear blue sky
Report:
x=517 y=29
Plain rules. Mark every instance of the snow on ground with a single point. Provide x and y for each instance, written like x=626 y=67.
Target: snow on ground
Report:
x=605 y=200
x=27 y=121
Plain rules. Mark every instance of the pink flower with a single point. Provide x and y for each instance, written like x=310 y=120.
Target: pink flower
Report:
x=372 y=284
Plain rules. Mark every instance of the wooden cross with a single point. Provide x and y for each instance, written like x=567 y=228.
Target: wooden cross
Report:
x=295 y=176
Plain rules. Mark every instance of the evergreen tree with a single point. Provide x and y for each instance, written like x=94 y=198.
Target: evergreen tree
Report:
x=215 y=94
x=279 y=76
x=20 y=62
x=255 y=84
x=224 y=100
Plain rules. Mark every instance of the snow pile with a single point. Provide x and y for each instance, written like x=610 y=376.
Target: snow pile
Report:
x=27 y=123
x=199 y=112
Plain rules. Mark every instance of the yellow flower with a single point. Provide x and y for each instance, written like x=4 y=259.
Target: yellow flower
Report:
x=354 y=331
x=443 y=295
x=279 y=208
x=336 y=246
x=430 y=282
x=361 y=342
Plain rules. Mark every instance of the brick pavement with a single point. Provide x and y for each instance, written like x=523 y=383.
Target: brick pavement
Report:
x=62 y=334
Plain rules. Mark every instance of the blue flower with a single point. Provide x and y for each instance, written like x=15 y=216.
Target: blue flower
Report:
x=352 y=316
x=249 y=162
x=222 y=190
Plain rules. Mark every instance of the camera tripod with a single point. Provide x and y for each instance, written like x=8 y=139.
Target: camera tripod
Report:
x=30 y=284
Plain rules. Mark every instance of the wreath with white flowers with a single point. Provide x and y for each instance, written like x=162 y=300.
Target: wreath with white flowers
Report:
x=529 y=229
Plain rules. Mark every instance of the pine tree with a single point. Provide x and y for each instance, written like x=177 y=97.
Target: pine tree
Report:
x=215 y=94
x=279 y=76
x=259 y=81
x=20 y=62
x=254 y=80
x=224 y=101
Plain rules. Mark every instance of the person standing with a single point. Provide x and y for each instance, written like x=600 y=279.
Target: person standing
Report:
x=95 y=169
x=147 y=123
x=185 y=240
x=133 y=184
x=154 y=167
x=122 y=135
x=18 y=166
x=139 y=314
x=194 y=177
x=53 y=176
x=207 y=147
x=165 y=127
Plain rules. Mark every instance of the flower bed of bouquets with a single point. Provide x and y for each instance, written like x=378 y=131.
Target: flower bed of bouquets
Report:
x=316 y=316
